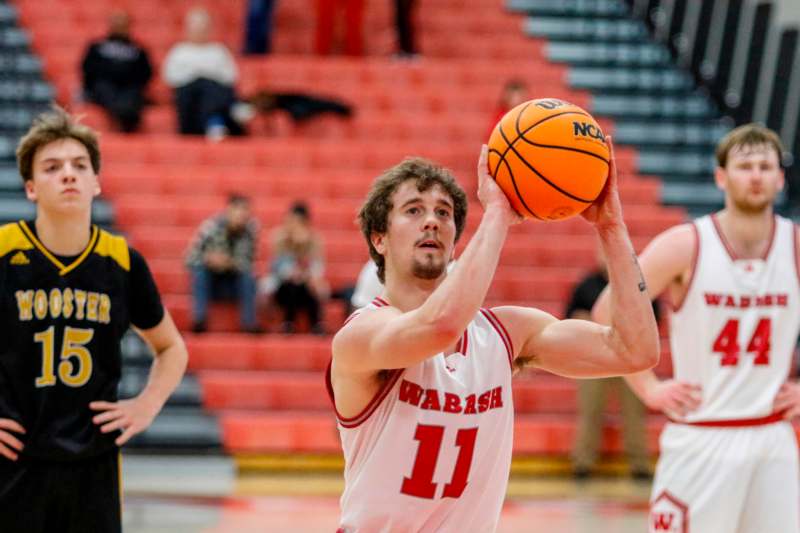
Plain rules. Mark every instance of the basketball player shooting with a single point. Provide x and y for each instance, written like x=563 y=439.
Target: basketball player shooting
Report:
x=421 y=378
x=728 y=459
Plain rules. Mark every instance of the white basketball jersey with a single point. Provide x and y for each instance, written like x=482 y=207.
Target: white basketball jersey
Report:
x=432 y=451
x=736 y=330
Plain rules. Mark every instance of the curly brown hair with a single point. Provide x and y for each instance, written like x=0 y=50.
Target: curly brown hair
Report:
x=50 y=126
x=374 y=214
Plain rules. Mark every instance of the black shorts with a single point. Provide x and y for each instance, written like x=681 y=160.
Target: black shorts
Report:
x=39 y=496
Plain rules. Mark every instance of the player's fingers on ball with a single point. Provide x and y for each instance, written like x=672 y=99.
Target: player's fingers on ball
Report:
x=10 y=440
x=13 y=425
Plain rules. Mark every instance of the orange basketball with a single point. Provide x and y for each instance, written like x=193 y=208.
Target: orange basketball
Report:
x=550 y=158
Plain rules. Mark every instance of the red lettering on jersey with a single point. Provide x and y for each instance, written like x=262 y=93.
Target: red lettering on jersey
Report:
x=730 y=302
x=470 y=408
x=745 y=302
x=663 y=521
x=483 y=401
x=764 y=301
x=713 y=299
x=410 y=392
x=497 y=398
x=452 y=403
x=431 y=400
x=782 y=300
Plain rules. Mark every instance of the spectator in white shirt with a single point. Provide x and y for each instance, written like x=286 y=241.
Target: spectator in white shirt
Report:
x=202 y=74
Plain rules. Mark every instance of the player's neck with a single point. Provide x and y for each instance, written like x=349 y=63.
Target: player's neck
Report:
x=63 y=235
x=748 y=233
x=408 y=294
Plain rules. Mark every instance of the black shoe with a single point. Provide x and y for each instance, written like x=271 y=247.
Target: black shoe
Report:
x=199 y=327
x=318 y=329
x=642 y=476
x=581 y=474
x=287 y=327
x=254 y=330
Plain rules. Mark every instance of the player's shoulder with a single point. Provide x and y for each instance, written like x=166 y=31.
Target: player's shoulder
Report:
x=12 y=238
x=679 y=240
x=114 y=247
x=359 y=327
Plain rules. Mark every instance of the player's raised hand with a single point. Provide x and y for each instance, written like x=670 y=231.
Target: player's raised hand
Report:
x=489 y=192
x=674 y=398
x=607 y=209
x=129 y=416
x=9 y=444
x=788 y=400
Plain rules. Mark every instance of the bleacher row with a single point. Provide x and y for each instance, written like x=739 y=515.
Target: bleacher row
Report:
x=266 y=392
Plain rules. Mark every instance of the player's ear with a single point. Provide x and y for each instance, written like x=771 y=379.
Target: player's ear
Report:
x=720 y=177
x=97 y=189
x=378 y=241
x=30 y=190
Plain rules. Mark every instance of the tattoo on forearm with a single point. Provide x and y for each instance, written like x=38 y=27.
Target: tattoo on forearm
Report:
x=642 y=284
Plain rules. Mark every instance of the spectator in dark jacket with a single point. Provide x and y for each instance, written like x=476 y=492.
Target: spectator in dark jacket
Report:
x=220 y=259
x=116 y=71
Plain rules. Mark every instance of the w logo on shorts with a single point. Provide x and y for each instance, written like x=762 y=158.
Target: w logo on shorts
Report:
x=668 y=515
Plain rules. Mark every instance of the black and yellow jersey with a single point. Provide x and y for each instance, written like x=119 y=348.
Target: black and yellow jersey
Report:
x=62 y=319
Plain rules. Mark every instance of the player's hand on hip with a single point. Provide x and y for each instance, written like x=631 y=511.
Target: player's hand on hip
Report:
x=674 y=398
x=129 y=416
x=9 y=444
x=788 y=400
x=606 y=209
x=490 y=194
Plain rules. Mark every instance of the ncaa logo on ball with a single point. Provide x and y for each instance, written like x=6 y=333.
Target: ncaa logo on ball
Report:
x=584 y=129
x=668 y=515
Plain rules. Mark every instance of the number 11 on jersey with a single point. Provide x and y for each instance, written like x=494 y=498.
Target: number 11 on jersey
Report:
x=421 y=484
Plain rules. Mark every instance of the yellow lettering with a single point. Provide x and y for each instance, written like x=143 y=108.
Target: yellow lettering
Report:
x=40 y=304
x=91 y=306
x=105 y=309
x=25 y=304
x=80 y=302
x=55 y=303
x=67 y=307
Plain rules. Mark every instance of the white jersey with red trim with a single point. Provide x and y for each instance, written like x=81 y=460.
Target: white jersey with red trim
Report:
x=432 y=450
x=735 y=332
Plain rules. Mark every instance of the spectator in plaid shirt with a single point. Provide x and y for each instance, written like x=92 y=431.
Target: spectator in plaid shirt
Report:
x=221 y=262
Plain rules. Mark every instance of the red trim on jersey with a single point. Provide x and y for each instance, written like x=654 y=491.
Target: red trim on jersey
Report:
x=738 y=423
x=365 y=413
x=729 y=248
x=351 y=317
x=464 y=341
x=380 y=302
x=501 y=330
x=795 y=236
x=677 y=306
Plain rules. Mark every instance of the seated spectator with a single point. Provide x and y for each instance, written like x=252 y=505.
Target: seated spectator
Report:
x=116 y=71
x=202 y=74
x=220 y=259
x=296 y=277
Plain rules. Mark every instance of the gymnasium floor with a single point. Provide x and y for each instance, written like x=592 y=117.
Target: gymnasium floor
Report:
x=183 y=495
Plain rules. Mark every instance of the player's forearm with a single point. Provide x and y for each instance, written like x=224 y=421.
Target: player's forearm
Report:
x=642 y=384
x=166 y=373
x=454 y=303
x=633 y=324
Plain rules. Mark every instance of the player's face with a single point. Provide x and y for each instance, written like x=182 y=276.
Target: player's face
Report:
x=63 y=178
x=751 y=178
x=421 y=233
